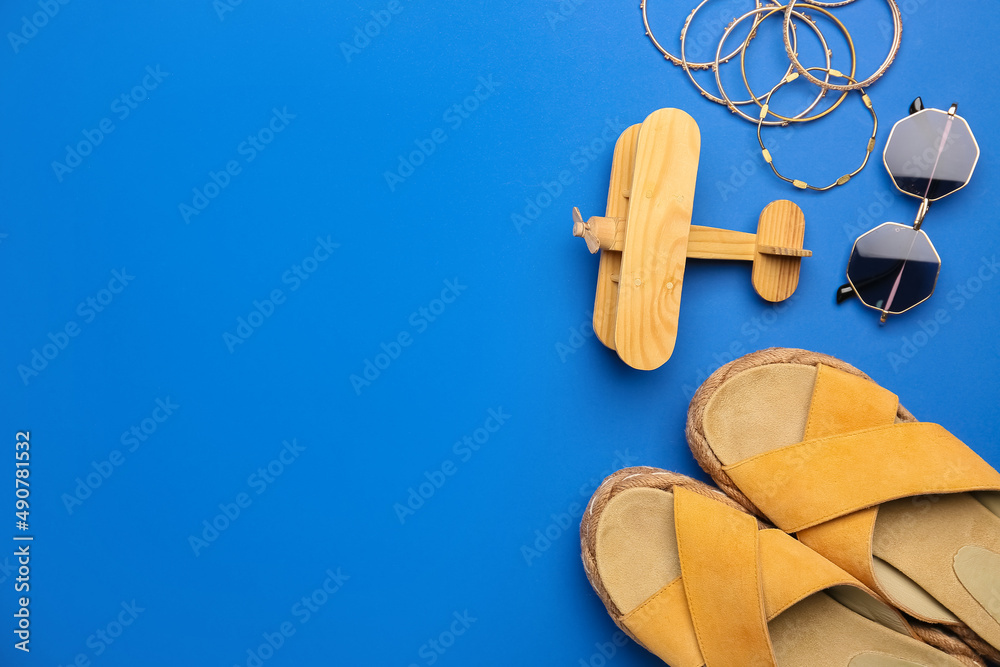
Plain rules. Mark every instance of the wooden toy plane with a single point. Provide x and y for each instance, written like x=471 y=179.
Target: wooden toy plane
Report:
x=646 y=236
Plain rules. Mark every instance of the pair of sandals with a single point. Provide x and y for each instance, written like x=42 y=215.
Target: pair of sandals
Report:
x=890 y=514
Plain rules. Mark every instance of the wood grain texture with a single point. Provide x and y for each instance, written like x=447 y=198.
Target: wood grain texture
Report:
x=656 y=238
x=606 y=301
x=712 y=243
x=787 y=252
x=782 y=225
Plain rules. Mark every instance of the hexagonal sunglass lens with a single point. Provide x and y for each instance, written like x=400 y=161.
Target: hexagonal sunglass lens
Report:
x=893 y=267
x=931 y=154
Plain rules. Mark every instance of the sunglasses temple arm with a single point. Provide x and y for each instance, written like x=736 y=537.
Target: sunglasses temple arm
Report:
x=845 y=292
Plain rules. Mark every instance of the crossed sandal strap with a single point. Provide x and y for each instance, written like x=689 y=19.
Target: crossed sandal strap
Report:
x=855 y=456
x=734 y=578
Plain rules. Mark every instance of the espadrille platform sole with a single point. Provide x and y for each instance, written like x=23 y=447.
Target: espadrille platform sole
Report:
x=697 y=580
x=817 y=448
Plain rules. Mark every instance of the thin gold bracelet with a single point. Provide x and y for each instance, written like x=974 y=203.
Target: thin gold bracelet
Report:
x=802 y=185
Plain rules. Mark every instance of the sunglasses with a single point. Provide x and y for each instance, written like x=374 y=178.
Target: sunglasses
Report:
x=929 y=155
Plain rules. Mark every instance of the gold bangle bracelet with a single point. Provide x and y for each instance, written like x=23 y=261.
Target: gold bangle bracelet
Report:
x=802 y=185
x=897 y=36
x=830 y=72
x=671 y=57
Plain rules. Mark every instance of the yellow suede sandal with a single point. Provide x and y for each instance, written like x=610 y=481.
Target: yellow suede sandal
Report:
x=697 y=580
x=820 y=450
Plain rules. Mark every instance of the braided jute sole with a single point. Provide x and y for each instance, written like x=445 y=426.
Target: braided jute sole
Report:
x=958 y=640
x=623 y=480
x=654 y=478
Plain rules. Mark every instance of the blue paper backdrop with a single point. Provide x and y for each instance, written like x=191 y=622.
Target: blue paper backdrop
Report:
x=201 y=246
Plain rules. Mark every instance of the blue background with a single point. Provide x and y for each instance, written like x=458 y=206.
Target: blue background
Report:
x=516 y=340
